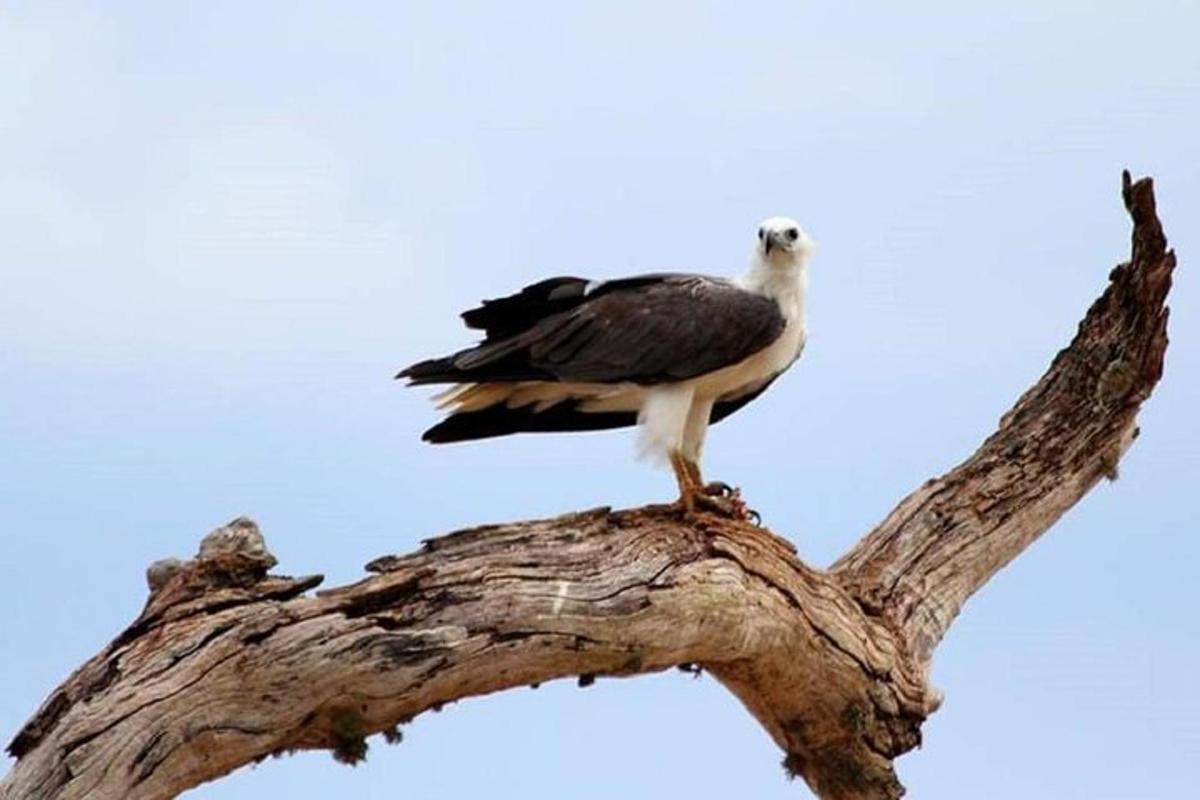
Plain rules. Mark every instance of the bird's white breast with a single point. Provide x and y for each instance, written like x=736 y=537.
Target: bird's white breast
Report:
x=753 y=372
x=788 y=289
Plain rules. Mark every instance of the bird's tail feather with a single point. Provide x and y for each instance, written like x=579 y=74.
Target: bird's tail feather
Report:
x=499 y=420
x=433 y=370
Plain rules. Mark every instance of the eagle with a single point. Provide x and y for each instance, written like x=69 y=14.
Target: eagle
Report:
x=669 y=352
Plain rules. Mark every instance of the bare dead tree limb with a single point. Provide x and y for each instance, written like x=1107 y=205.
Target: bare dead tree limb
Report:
x=228 y=664
x=946 y=539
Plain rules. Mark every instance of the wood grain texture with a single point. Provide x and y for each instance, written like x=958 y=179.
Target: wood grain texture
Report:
x=228 y=664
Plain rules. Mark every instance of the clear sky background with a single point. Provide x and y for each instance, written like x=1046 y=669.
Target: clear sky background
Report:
x=223 y=226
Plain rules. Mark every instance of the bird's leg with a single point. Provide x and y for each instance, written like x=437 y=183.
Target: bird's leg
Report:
x=686 y=475
x=713 y=489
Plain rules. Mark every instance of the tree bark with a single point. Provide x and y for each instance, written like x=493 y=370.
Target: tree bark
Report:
x=228 y=664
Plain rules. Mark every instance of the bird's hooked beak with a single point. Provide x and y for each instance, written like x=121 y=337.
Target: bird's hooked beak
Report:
x=769 y=243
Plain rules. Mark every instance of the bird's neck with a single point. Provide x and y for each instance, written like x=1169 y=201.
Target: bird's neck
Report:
x=786 y=283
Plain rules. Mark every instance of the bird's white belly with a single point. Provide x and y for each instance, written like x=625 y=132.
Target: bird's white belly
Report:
x=755 y=370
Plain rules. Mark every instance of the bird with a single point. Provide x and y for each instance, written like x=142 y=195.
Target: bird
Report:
x=672 y=353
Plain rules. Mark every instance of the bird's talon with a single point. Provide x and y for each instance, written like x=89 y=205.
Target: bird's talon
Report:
x=745 y=513
x=720 y=489
x=729 y=505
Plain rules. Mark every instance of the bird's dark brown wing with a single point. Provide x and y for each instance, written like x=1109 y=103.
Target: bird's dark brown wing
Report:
x=649 y=330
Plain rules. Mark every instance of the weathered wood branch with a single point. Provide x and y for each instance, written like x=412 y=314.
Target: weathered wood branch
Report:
x=946 y=539
x=228 y=664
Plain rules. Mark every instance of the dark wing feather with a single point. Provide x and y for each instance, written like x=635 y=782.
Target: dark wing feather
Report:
x=511 y=315
x=508 y=316
x=670 y=330
x=651 y=329
x=500 y=420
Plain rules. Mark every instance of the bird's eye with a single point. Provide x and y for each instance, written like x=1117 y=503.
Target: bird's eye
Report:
x=760 y=233
x=793 y=234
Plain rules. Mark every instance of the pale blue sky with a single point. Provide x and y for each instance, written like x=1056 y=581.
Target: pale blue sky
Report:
x=224 y=225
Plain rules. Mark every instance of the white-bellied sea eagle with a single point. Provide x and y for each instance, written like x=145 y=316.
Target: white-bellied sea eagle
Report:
x=671 y=353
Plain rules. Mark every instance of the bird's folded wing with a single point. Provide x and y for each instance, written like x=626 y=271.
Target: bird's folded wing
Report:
x=669 y=329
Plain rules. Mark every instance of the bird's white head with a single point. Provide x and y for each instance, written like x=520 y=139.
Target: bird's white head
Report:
x=782 y=243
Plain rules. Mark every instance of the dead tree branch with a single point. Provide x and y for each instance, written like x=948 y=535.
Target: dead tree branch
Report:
x=946 y=539
x=228 y=664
